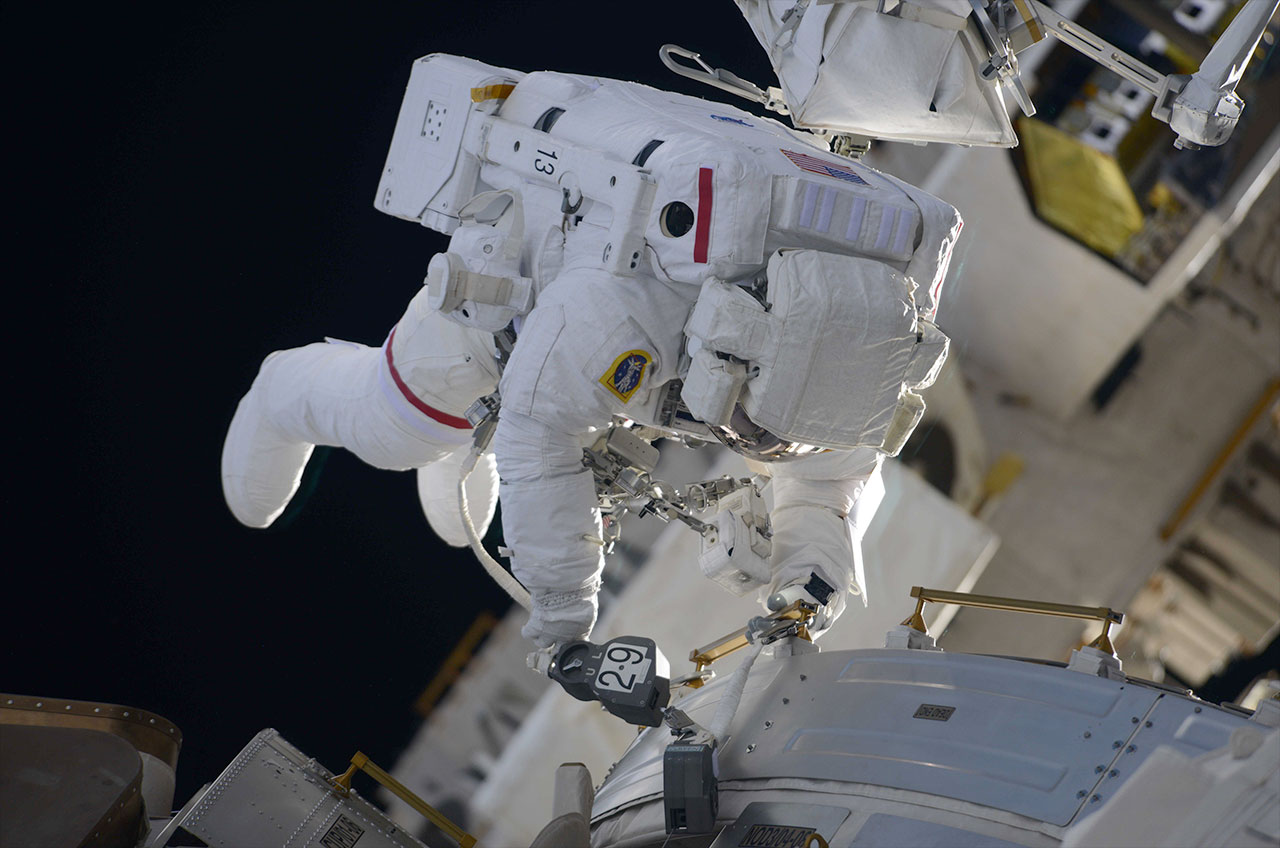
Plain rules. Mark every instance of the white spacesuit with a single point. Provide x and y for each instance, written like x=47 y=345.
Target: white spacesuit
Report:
x=642 y=257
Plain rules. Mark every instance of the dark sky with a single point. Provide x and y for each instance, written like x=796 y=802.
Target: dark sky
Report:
x=191 y=188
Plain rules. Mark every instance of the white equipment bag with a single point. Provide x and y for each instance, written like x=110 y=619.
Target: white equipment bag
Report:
x=836 y=361
x=906 y=70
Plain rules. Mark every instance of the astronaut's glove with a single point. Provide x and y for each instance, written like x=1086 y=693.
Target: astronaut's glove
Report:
x=815 y=590
x=542 y=659
x=561 y=616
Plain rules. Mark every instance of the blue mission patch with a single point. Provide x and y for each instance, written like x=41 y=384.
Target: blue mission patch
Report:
x=624 y=376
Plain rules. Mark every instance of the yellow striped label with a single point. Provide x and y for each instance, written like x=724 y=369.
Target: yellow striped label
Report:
x=491 y=92
x=1029 y=19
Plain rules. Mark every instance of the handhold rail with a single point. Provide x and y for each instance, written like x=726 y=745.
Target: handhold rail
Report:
x=1106 y=615
x=342 y=785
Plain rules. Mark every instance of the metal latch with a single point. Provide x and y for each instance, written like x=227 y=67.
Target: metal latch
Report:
x=483 y=417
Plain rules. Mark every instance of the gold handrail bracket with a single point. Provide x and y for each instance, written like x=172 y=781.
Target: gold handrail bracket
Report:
x=342 y=784
x=1106 y=615
x=709 y=653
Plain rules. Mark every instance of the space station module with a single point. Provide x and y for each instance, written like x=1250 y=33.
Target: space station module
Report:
x=621 y=255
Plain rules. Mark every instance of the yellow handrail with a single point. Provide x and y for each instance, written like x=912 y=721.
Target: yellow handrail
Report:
x=707 y=654
x=359 y=761
x=1106 y=615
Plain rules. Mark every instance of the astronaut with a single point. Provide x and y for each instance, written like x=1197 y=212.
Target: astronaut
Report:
x=620 y=254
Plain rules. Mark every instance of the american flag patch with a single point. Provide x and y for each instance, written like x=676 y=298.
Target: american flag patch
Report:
x=814 y=165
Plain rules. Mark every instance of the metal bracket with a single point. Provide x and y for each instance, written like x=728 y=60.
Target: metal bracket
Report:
x=1104 y=53
x=162 y=837
x=622 y=462
x=571 y=194
x=1202 y=109
x=483 y=417
x=1003 y=61
x=694 y=679
x=686 y=730
x=848 y=145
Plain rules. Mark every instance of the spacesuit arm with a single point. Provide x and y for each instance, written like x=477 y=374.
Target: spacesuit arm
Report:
x=551 y=524
x=822 y=506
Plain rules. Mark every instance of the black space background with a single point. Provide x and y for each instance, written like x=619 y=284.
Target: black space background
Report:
x=190 y=187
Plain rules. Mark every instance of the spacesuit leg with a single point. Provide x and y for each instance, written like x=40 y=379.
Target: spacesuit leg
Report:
x=822 y=506
x=396 y=407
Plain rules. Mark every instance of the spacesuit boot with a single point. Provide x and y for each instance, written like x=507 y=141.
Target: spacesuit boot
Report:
x=396 y=407
x=438 y=495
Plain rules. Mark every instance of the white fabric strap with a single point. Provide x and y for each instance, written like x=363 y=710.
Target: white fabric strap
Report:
x=451 y=284
x=551 y=600
x=732 y=697
x=934 y=17
x=495 y=291
x=905 y=418
x=787 y=33
x=909 y=11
